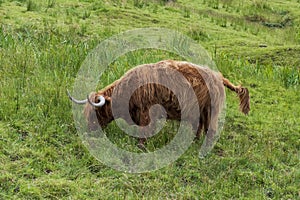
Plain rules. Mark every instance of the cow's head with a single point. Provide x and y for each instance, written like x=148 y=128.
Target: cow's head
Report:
x=97 y=109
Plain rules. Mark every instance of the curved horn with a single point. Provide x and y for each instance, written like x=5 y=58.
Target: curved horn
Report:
x=100 y=104
x=75 y=100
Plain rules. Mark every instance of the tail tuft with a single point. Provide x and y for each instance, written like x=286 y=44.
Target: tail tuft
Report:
x=242 y=93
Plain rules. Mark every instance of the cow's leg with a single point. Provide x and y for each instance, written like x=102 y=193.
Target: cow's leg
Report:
x=211 y=127
x=141 y=143
x=199 y=130
x=203 y=122
x=207 y=120
x=144 y=120
x=148 y=120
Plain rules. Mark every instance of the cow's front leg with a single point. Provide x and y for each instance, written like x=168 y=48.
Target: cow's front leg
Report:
x=144 y=121
x=141 y=143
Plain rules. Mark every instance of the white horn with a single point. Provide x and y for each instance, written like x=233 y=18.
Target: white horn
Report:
x=75 y=100
x=100 y=104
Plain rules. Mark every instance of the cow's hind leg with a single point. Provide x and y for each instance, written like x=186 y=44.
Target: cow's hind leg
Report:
x=203 y=122
x=211 y=135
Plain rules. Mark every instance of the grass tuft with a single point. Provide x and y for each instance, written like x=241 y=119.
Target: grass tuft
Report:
x=32 y=5
x=51 y=3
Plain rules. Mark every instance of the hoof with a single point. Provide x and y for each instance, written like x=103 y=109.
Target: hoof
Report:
x=141 y=146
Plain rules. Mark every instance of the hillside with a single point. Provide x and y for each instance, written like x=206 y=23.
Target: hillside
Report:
x=43 y=44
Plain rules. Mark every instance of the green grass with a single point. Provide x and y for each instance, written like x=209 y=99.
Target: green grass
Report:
x=42 y=46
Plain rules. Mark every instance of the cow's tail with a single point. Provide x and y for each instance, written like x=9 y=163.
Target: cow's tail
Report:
x=242 y=93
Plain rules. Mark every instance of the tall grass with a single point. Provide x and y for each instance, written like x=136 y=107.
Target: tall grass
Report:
x=42 y=157
x=32 y=5
x=51 y=3
x=287 y=76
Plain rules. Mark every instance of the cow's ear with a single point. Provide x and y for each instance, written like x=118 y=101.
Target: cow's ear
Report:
x=108 y=99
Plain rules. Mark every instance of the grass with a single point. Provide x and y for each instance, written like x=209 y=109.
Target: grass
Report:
x=42 y=46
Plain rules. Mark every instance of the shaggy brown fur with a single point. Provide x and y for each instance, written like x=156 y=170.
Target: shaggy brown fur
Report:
x=207 y=85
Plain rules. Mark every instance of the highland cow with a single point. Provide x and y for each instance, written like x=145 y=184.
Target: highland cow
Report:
x=207 y=85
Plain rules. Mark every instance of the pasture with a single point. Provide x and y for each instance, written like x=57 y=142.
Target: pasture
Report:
x=42 y=46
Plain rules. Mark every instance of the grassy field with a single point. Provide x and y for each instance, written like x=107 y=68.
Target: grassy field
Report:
x=42 y=46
